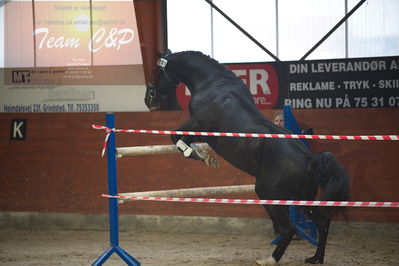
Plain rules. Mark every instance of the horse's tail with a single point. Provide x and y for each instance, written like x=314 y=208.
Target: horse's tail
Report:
x=333 y=180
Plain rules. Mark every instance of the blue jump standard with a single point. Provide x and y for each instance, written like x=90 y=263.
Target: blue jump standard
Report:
x=113 y=203
x=303 y=227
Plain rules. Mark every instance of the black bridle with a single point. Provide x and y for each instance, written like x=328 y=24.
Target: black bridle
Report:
x=153 y=90
x=162 y=62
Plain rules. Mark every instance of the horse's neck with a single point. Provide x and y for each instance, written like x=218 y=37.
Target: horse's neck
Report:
x=192 y=69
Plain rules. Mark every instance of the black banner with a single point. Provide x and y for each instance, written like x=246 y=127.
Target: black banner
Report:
x=351 y=83
x=336 y=83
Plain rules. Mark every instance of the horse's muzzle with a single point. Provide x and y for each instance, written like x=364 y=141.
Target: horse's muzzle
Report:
x=151 y=97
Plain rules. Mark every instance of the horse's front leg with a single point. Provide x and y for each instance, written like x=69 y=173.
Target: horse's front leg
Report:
x=189 y=149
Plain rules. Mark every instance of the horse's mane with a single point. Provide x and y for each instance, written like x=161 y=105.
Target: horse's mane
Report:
x=207 y=58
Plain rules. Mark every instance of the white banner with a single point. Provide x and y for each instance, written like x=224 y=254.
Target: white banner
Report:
x=82 y=56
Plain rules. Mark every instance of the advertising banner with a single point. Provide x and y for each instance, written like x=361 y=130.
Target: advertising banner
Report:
x=339 y=83
x=71 y=56
x=351 y=83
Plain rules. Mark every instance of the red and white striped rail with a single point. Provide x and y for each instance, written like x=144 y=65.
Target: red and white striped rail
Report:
x=246 y=135
x=265 y=202
x=253 y=201
x=251 y=135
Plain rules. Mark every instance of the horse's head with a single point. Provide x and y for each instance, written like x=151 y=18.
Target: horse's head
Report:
x=162 y=83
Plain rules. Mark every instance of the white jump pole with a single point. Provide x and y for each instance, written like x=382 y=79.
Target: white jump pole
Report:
x=191 y=192
x=176 y=193
x=151 y=150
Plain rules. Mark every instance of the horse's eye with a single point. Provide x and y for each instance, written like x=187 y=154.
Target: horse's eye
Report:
x=152 y=93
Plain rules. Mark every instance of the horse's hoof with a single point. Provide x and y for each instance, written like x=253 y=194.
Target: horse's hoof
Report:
x=314 y=260
x=265 y=262
x=198 y=153
x=212 y=161
x=203 y=155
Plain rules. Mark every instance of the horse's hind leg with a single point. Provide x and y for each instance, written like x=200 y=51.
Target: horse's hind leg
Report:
x=283 y=226
x=322 y=220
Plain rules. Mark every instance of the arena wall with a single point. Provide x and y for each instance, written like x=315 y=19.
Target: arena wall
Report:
x=58 y=167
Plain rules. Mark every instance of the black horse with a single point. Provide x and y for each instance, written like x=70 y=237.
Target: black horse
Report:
x=284 y=168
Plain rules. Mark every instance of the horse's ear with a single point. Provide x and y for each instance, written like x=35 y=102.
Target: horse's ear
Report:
x=166 y=53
